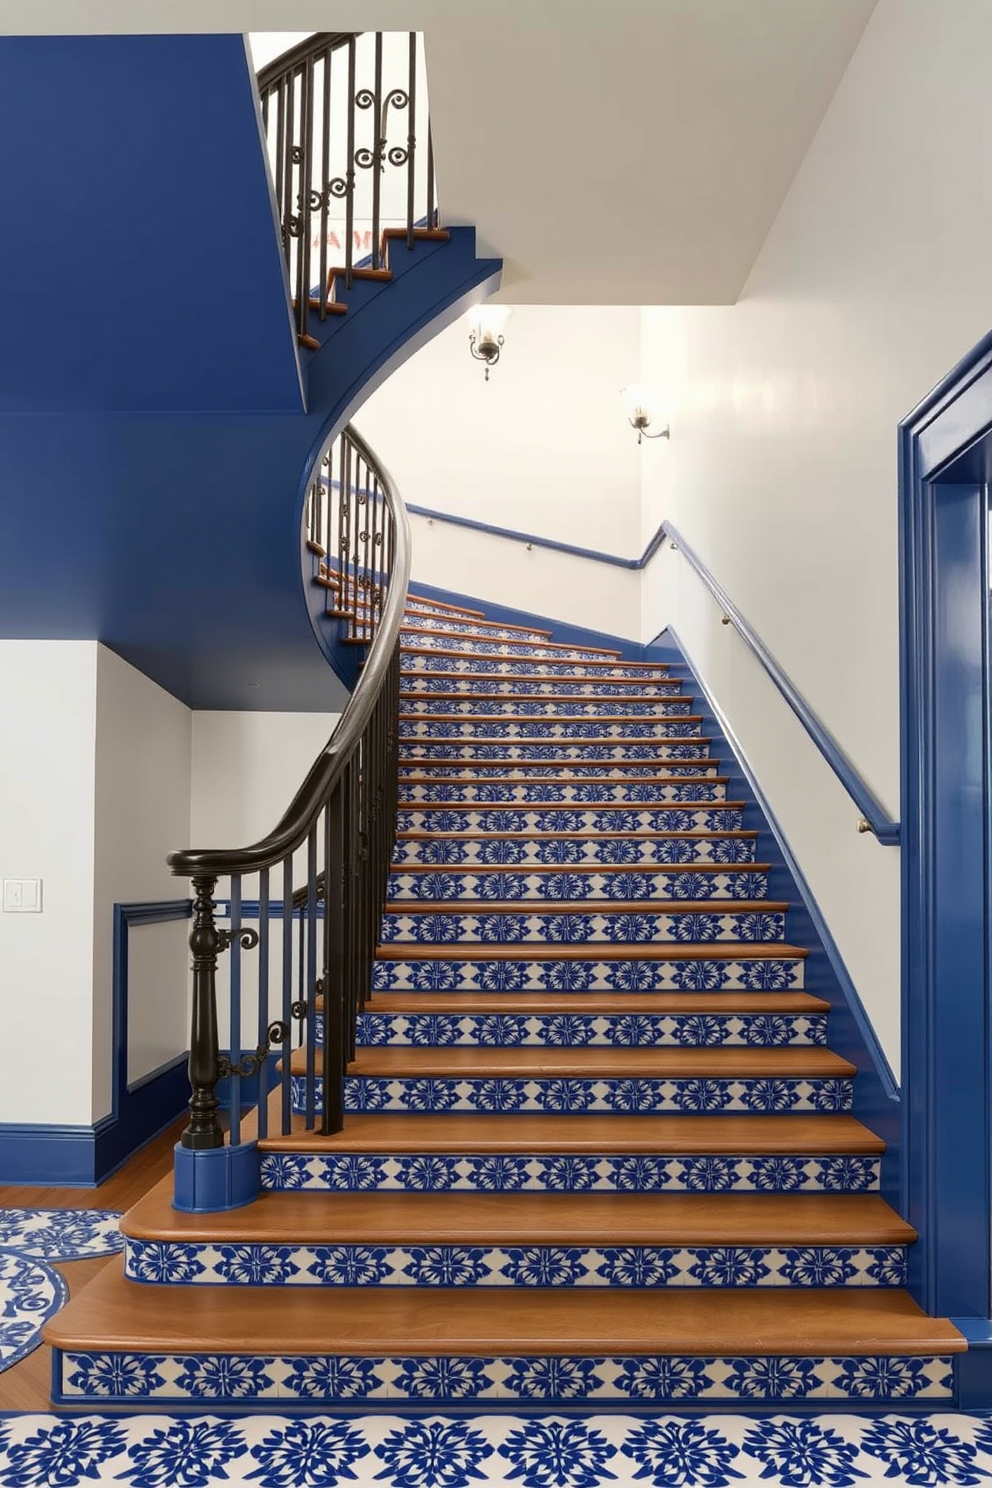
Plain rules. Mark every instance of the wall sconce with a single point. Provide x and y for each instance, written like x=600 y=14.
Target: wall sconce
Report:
x=639 y=413
x=485 y=338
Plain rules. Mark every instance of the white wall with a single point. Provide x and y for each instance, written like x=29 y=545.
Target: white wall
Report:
x=543 y=447
x=141 y=810
x=47 y=747
x=874 y=280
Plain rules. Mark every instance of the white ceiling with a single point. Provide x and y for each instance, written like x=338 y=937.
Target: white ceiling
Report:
x=610 y=151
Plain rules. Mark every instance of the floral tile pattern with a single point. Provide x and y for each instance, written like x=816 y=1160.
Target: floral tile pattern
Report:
x=582 y=1450
x=521 y=687
x=651 y=792
x=575 y=1030
x=536 y=728
x=416 y=641
x=516 y=817
x=572 y=927
x=571 y=851
x=604 y=1096
x=61 y=1234
x=252 y=1263
x=626 y=975
x=474 y=665
x=576 y=883
x=30 y=1292
x=641 y=1380
x=574 y=1173
x=478 y=708
x=607 y=749
x=452 y=770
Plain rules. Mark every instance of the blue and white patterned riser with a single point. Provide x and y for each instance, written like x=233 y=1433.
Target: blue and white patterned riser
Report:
x=701 y=974
x=244 y=1379
x=600 y=708
x=484 y=730
x=493 y=666
x=572 y=927
x=417 y=641
x=606 y=1095
x=519 y=687
x=581 y=1030
x=562 y=753
x=516 y=817
x=254 y=1263
x=577 y=885
x=573 y=1173
x=544 y=851
x=415 y=624
x=508 y=770
x=649 y=792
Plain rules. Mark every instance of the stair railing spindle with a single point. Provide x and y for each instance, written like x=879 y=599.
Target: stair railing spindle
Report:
x=265 y=1026
x=411 y=142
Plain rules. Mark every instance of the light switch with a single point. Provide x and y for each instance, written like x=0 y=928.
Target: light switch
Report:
x=22 y=896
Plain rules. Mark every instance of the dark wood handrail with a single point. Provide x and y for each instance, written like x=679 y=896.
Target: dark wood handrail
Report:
x=311 y=47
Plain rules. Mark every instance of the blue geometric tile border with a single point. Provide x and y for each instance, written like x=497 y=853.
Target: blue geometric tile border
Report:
x=626 y=975
x=575 y=885
x=552 y=851
x=516 y=817
x=244 y=1379
x=575 y=1173
x=586 y=1030
x=30 y=1293
x=252 y=1263
x=573 y=927
x=626 y=1097
x=577 y=1451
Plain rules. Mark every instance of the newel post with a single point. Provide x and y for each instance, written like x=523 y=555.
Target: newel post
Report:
x=205 y=941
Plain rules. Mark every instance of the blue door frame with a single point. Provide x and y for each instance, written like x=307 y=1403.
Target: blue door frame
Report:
x=945 y=464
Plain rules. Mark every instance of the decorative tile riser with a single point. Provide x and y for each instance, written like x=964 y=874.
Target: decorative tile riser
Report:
x=574 y=1173
x=508 y=770
x=477 y=665
x=628 y=975
x=582 y=1030
x=454 y=728
x=575 y=928
x=606 y=1096
x=475 y=646
x=413 y=624
x=332 y=1380
x=560 y=753
x=540 y=708
x=516 y=818
x=517 y=687
x=576 y=886
x=464 y=792
x=251 y=1263
x=547 y=851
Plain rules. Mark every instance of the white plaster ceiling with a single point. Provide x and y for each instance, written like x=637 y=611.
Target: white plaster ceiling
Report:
x=610 y=151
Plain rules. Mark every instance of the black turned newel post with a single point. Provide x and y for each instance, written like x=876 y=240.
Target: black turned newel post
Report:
x=204 y=1130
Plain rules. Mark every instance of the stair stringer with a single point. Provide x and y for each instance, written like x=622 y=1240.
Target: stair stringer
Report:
x=433 y=284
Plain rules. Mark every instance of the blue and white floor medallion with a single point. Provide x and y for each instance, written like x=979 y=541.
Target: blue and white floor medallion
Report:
x=61 y=1234
x=466 y=1451
x=30 y=1293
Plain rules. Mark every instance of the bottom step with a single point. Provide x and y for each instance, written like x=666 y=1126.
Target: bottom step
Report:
x=115 y=1343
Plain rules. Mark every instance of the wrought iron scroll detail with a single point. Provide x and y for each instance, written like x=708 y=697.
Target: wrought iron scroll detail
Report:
x=278 y=1033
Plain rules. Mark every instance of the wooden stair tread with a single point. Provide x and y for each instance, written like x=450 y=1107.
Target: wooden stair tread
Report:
x=522 y=741
x=397 y=1061
x=595 y=1004
x=675 y=1136
x=568 y=769
x=666 y=1219
x=440 y=604
x=593 y=950
x=610 y=718
x=117 y=1315
x=587 y=869
x=531 y=835
x=564 y=777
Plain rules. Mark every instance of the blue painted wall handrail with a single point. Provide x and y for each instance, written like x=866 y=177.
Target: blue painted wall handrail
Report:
x=875 y=816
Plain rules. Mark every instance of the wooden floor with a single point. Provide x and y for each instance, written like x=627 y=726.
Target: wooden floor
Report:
x=25 y=1386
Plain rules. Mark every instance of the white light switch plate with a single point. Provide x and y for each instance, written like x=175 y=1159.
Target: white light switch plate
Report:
x=22 y=896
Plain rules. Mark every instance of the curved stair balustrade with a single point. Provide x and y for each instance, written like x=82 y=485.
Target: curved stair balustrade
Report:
x=349 y=142
x=349 y=532
x=340 y=824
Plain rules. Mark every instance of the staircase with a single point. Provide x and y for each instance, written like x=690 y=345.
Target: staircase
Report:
x=597 y=1151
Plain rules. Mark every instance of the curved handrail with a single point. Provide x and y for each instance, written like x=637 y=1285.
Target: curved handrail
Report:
x=291 y=831
x=874 y=817
x=309 y=49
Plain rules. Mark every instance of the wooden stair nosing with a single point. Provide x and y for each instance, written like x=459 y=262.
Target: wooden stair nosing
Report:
x=397 y=1218
x=594 y=1004
x=468 y=740
x=660 y=780
x=674 y=1135
x=655 y=907
x=731 y=834
x=545 y=870
x=610 y=718
x=112 y=1314
x=399 y=1061
x=441 y=604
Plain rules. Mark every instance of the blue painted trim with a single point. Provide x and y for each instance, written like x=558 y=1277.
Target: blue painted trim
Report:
x=876 y=1090
x=216 y=1179
x=885 y=829
x=945 y=451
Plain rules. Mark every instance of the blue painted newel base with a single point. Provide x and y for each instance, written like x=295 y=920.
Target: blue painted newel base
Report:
x=215 y=1179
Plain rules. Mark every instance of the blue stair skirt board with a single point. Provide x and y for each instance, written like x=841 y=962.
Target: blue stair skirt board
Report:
x=30 y=1293
x=534 y=1451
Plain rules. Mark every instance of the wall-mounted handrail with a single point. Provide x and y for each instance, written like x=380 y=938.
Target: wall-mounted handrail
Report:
x=350 y=145
x=342 y=819
x=874 y=817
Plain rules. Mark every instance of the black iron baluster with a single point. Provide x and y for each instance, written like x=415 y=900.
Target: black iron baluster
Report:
x=411 y=142
x=289 y=219
x=287 y=991
x=374 y=576
x=378 y=151
x=203 y=1130
x=430 y=176
x=281 y=163
x=335 y=899
x=234 y=1052
x=310 y=912
x=349 y=247
x=305 y=200
x=264 y=1025
x=325 y=181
